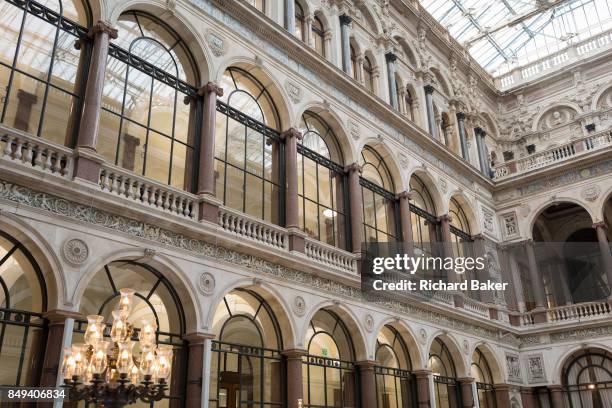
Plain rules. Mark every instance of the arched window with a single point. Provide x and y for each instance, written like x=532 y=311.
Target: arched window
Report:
x=482 y=374
x=300 y=22
x=354 y=64
x=247 y=146
x=146 y=126
x=422 y=213
x=155 y=301
x=395 y=385
x=447 y=392
x=246 y=360
x=379 y=203
x=318 y=34
x=41 y=72
x=368 y=73
x=329 y=372
x=587 y=379
x=461 y=239
x=321 y=183
x=23 y=299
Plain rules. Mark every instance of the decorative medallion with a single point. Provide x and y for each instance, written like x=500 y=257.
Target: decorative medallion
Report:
x=75 y=251
x=368 y=320
x=293 y=90
x=591 y=193
x=299 y=306
x=216 y=43
x=206 y=283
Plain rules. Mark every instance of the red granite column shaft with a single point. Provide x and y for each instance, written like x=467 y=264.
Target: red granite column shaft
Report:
x=422 y=383
x=295 y=388
x=406 y=222
x=356 y=206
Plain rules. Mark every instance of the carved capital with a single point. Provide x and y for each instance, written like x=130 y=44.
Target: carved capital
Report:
x=460 y=116
x=294 y=354
x=445 y=217
x=103 y=27
x=405 y=195
x=600 y=224
x=291 y=132
x=478 y=237
x=345 y=19
x=429 y=89
x=390 y=57
x=210 y=87
x=352 y=168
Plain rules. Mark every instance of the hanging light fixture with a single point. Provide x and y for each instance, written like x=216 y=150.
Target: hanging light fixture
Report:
x=108 y=373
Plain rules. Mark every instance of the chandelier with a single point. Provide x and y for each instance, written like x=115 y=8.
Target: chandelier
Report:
x=108 y=373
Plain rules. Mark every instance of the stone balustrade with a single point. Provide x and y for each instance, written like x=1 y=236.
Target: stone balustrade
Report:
x=254 y=229
x=122 y=183
x=22 y=149
x=476 y=307
x=581 y=311
x=331 y=256
x=545 y=158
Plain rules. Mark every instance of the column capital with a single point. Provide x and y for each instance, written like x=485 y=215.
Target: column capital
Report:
x=291 y=132
x=353 y=167
x=502 y=387
x=345 y=19
x=600 y=224
x=103 y=27
x=466 y=380
x=59 y=316
x=429 y=89
x=210 y=87
x=405 y=195
x=294 y=353
x=423 y=373
x=366 y=364
x=445 y=217
x=478 y=237
x=390 y=57
x=198 y=337
x=461 y=116
x=555 y=388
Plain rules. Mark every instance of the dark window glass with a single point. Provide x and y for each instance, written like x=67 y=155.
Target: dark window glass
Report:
x=447 y=391
x=481 y=372
x=395 y=384
x=424 y=221
x=318 y=33
x=300 y=22
x=368 y=73
x=587 y=379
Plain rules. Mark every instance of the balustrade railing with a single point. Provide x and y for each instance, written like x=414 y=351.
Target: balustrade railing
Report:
x=476 y=307
x=35 y=152
x=254 y=229
x=122 y=183
x=580 y=311
x=331 y=256
x=555 y=155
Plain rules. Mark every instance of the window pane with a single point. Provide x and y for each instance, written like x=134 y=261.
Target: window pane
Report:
x=235 y=143
x=182 y=166
x=36 y=47
x=10 y=21
x=181 y=127
x=369 y=211
x=234 y=188
x=25 y=103
x=162 y=108
x=138 y=96
x=310 y=179
x=131 y=147
x=254 y=191
x=114 y=85
x=311 y=227
x=324 y=187
x=326 y=217
x=108 y=136
x=58 y=113
x=66 y=62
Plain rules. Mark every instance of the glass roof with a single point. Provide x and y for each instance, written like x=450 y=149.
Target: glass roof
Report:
x=503 y=34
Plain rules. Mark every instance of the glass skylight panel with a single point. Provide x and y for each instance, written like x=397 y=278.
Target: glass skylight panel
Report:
x=504 y=34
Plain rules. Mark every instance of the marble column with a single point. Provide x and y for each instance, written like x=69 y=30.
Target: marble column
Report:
x=431 y=120
x=209 y=206
x=356 y=206
x=58 y=321
x=406 y=222
x=295 y=391
x=290 y=16
x=478 y=135
x=467 y=392
x=556 y=395
x=391 y=58
x=528 y=398
x=422 y=386
x=292 y=221
x=347 y=67
x=367 y=382
x=502 y=396
x=195 y=369
x=88 y=163
x=604 y=249
x=537 y=284
x=308 y=34
x=463 y=136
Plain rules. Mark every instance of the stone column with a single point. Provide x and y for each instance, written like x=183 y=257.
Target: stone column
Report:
x=406 y=222
x=345 y=20
x=483 y=274
x=367 y=382
x=88 y=162
x=539 y=293
x=422 y=385
x=295 y=391
x=467 y=392
x=58 y=321
x=509 y=294
x=292 y=222
x=359 y=73
x=556 y=395
x=308 y=34
x=463 y=136
x=290 y=16
x=195 y=369
x=209 y=206
x=529 y=398
x=431 y=120
x=391 y=58
x=604 y=249
x=356 y=206
x=502 y=396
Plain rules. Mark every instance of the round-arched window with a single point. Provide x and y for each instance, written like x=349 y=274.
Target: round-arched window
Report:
x=482 y=374
x=422 y=213
x=395 y=386
x=587 y=379
x=368 y=73
x=446 y=387
x=318 y=34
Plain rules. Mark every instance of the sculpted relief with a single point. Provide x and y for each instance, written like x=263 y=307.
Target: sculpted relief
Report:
x=556 y=116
